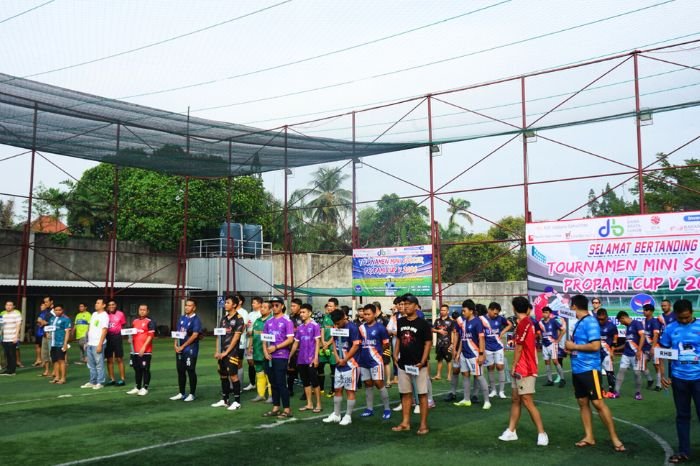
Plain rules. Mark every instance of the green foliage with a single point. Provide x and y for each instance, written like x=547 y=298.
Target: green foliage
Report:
x=7 y=213
x=394 y=222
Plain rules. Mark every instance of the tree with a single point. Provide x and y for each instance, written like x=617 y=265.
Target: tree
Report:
x=49 y=201
x=394 y=222
x=610 y=204
x=7 y=213
x=672 y=189
x=328 y=201
x=459 y=208
x=481 y=261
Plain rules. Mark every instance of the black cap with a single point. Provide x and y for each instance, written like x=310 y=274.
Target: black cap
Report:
x=409 y=298
x=276 y=299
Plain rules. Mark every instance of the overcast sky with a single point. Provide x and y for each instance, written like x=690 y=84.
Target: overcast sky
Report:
x=220 y=54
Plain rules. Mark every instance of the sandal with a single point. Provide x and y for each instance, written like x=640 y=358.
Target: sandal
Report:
x=678 y=458
x=61 y=382
x=422 y=431
x=317 y=410
x=584 y=444
x=400 y=428
x=272 y=413
x=53 y=381
x=620 y=448
x=285 y=415
x=306 y=408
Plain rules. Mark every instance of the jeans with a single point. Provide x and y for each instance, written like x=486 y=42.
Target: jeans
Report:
x=11 y=356
x=277 y=373
x=683 y=392
x=96 y=365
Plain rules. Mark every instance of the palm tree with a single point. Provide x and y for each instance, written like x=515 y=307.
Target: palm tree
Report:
x=459 y=208
x=328 y=202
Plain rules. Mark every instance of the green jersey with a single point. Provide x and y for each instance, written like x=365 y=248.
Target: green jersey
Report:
x=258 y=326
x=82 y=324
x=326 y=356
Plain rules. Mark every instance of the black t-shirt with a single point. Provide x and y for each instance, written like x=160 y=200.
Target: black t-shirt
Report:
x=296 y=320
x=412 y=336
x=443 y=341
x=232 y=325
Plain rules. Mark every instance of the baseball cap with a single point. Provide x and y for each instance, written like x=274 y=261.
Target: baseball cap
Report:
x=409 y=298
x=276 y=299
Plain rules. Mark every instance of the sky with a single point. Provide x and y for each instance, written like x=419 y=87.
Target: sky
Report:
x=285 y=62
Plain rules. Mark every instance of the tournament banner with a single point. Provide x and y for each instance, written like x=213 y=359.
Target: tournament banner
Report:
x=393 y=271
x=626 y=261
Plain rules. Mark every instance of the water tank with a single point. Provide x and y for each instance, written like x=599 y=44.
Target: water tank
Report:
x=252 y=240
x=236 y=234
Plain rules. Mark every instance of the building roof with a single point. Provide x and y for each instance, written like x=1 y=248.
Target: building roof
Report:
x=86 y=284
x=48 y=224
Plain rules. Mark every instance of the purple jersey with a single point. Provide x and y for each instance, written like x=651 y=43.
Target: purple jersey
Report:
x=632 y=338
x=344 y=344
x=281 y=328
x=608 y=332
x=469 y=332
x=306 y=335
x=651 y=326
x=373 y=340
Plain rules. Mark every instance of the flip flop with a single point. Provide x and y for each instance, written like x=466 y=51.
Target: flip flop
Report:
x=620 y=448
x=422 y=431
x=305 y=408
x=437 y=378
x=317 y=410
x=584 y=444
x=53 y=381
x=678 y=458
x=272 y=413
x=60 y=382
x=285 y=415
x=42 y=375
x=400 y=428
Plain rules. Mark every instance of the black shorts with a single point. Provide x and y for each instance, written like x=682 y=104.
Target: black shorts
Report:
x=292 y=365
x=309 y=375
x=57 y=354
x=115 y=346
x=443 y=353
x=37 y=340
x=587 y=385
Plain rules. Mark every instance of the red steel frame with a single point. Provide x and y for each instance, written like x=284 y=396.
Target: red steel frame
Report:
x=430 y=194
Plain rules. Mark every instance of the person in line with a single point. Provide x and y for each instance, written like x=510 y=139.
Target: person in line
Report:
x=228 y=355
x=375 y=339
x=186 y=351
x=243 y=341
x=292 y=373
x=38 y=337
x=307 y=339
x=347 y=371
x=608 y=341
x=12 y=324
x=253 y=316
x=60 y=335
x=550 y=332
x=652 y=332
x=524 y=374
x=115 y=344
x=142 y=351
x=278 y=338
x=97 y=334
x=472 y=345
x=42 y=321
x=443 y=328
x=414 y=341
x=495 y=327
x=632 y=355
x=82 y=324
x=456 y=358
x=683 y=335
x=584 y=348
x=262 y=383
x=326 y=355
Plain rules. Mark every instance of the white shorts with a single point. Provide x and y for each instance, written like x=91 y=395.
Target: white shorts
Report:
x=650 y=357
x=550 y=352
x=372 y=373
x=494 y=357
x=607 y=363
x=346 y=379
x=469 y=365
x=627 y=362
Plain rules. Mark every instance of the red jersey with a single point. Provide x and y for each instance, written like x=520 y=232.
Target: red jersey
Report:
x=525 y=337
x=145 y=327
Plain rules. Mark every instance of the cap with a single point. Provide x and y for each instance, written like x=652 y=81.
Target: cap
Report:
x=410 y=298
x=276 y=299
x=548 y=289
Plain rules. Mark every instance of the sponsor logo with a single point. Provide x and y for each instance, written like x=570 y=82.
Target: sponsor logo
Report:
x=611 y=226
x=358 y=289
x=530 y=238
x=655 y=220
x=691 y=218
x=638 y=301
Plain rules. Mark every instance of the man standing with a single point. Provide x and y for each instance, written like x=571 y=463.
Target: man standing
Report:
x=524 y=374
x=495 y=326
x=584 y=348
x=253 y=316
x=668 y=315
x=295 y=317
x=443 y=327
x=82 y=324
x=411 y=351
x=307 y=339
x=278 y=338
x=551 y=332
x=347 y=371
x=683 y=335
x=652 y=332
x=115 y=343
x=632 y=355
x=243 y=342
x=187 y=350
x=141 y=351
x=228 y=355
x=60 y=334
x=99 y=324
x=608 y=341
x=375 y=339
x=326 y=355
x=43 y=321
x=472 y=346
x=262 y=383
x=12 y=323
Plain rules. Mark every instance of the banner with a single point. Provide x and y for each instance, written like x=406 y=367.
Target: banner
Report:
x=393 y=271
x=626 y=261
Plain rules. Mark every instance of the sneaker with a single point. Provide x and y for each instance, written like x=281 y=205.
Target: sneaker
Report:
x=638 y=396
x=258 y=398
x=562 y=382
x=346 y=421
x=177 y=397
x=416 y=410
x=87 y=385
x=110 y=383
x=613 y=395
x=450 y=397
x=508 y=436
x=431 y=404
x=549 y=384
x=463 y=403
x=133 y=391
x=487 y=405
x=332 y=418
x=542 y=439
x=98 y=386
x=121 y=383
x=189 y=397
x=329 y=395
x=8 y=374
x=219 y=404
x=502 y=395
x=387 y=414
x=657 y=389
x=248 y=387
x=269 y=400
x=234 y=406
x=367 y=413
x=649 y=384
x=557 y=379
x=398 y=408
x=322 y=392
x=492 y=393
x=143 y=392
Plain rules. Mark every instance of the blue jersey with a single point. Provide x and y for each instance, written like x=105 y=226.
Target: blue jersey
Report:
x=46 y=316
x=492 y=332
x=189 y=325
x=686 y=339
x=651 y=326
x=58 y=336
x=632 y=338
x=373 y=339
x=667 y=319
x=549 y=331
x=585 y=331
x=469 y=332
x=344 y=344
x=608 y=332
